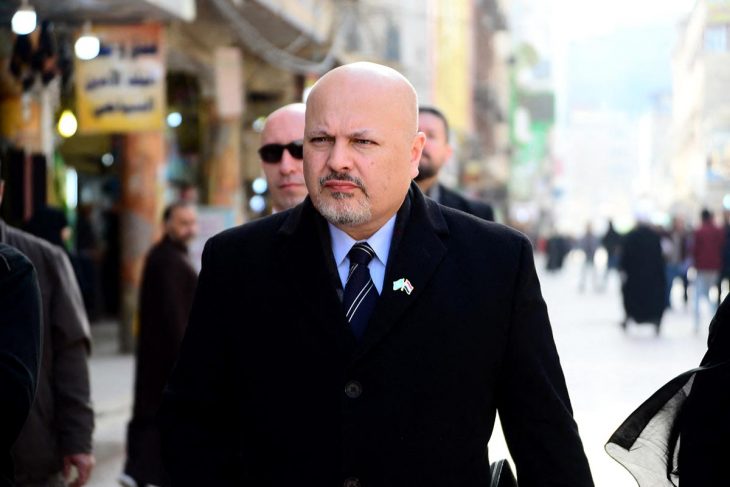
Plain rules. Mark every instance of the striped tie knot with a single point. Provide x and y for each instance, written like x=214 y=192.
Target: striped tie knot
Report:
x=361 y=253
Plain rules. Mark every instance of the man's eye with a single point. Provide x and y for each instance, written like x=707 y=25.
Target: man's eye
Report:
x=319 y=140
x=364 y=142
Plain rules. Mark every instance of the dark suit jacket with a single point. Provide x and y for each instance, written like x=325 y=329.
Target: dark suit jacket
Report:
x=452 y=199
x=61 y=421
x=20 y=349
x=271 y=388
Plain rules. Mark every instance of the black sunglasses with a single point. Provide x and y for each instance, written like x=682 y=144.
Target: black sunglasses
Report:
x=271 y=153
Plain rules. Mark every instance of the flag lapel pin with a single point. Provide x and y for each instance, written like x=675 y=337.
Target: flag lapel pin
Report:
x=404 y=285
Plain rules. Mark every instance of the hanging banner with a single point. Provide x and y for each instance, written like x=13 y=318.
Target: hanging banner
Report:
x=123 y=88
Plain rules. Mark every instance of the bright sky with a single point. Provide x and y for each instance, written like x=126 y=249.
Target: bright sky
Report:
x=578 y=19
x=615 y=53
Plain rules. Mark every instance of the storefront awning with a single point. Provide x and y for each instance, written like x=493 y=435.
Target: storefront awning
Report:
x=106 y=11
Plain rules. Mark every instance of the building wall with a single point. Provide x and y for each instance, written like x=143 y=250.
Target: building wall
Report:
x=701 y=107
x=594 y=181
x=452 y=61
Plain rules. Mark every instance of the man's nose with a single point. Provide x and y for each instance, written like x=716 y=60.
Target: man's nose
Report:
x=289 y=164
x=340 y=159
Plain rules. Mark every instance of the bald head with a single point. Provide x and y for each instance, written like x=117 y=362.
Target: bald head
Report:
x=285 y=114
x=282 y=168
x=361 y=146
x=371 y=83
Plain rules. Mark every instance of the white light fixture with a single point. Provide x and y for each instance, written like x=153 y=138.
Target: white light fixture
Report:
x=72 y=188
x=259 y=186
x=24 y=20
x=87 y=46
x=257 y=203
x=67 y=124
x=174 y=119
x=258 y=124
x=107 y=159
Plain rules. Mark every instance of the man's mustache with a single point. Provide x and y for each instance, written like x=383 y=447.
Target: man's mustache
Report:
x=343 y=176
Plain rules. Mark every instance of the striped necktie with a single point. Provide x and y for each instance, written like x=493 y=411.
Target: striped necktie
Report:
x=360 y=293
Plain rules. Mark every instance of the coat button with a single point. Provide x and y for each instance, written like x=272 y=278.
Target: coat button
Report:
x=353 y=390
x=352 y=482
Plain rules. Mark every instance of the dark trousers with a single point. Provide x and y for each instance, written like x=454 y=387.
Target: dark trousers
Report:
x=144 y=458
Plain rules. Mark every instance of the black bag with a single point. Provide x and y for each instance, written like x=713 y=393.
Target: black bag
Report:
x=502 y=475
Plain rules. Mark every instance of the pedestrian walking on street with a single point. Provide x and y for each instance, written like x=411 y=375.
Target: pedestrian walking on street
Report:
x=20 y=350
x=281 y=156
x=611 y=242
x=725 y=269
x=166 y=293
x=588 y=244
x=676 y=248
x=55 y=444
x=368 y=336
x=679 y=436
x=707 y=246
x=643 y=276
x=557 y=248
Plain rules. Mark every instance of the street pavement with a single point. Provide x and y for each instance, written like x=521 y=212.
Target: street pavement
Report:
x=112 y=379
x=609 y=371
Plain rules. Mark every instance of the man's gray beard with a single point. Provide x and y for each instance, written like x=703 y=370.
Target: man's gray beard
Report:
x=339 y=214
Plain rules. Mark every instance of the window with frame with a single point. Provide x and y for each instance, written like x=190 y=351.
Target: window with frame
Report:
x=716 y=38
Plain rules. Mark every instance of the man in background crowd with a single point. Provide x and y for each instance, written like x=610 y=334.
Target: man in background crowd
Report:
x=588 y=244
x=436 y=153
x=611 y=241
x=675 y=244
x=707 y=255
x=57 y=437
x=281 y=156
x=168 y=287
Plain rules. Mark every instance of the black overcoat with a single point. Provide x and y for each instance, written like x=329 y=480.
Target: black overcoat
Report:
x=20 y=349
x=643 y=265
x=271 y=388
x=452 y=199
x=168 y=287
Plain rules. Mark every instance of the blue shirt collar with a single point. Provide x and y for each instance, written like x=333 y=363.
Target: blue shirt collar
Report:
x=379 y=241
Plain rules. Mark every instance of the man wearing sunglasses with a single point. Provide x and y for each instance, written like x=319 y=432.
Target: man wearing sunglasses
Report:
x=281 y=156
x=367 y=337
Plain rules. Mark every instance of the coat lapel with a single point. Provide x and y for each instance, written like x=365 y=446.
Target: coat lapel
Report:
x=306 y=255
x=416 y=251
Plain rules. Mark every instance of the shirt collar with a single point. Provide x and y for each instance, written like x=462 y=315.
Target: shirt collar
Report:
x=379 y=241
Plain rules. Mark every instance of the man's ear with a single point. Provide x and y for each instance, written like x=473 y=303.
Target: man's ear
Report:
x=2 y=190
x=417 y=145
